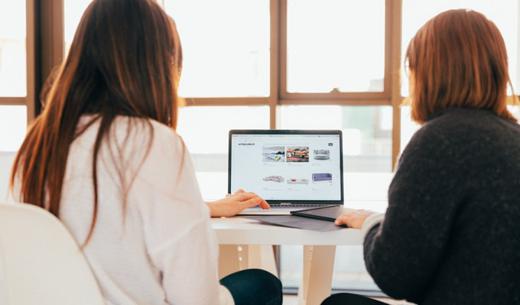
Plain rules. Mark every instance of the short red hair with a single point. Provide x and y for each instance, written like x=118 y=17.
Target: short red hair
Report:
x=458 y=60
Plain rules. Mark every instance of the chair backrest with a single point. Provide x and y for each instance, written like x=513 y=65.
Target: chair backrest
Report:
x=40 y=263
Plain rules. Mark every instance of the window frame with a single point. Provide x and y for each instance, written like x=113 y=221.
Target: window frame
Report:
x=278 y=95
x=52 y=53
x=45 y=49
x=30 y=45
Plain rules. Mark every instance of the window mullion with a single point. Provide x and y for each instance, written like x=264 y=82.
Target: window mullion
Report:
x=274 y=71
x=394 y=31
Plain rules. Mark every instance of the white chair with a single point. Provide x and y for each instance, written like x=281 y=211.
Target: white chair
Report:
x=40 y=263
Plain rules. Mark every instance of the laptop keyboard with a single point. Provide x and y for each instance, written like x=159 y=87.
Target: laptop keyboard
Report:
x=299 y=205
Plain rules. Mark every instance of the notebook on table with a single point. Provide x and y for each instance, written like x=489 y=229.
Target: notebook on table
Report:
x=327 y=213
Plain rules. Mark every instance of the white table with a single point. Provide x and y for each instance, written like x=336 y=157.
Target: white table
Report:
x=245 y=243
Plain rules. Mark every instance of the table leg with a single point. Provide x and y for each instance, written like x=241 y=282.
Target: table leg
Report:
x=233 y=258
x=262 y=257
x=228 y=260
x=318 y=265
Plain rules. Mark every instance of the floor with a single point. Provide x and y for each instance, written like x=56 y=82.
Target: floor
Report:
x=292 y=300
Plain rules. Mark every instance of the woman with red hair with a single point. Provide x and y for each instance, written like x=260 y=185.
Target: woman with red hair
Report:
x=450 y=233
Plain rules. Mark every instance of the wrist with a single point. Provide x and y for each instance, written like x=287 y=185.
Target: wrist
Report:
x=372 y=220
x=211 y=208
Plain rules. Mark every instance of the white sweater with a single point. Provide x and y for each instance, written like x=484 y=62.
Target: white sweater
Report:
x=161 y=250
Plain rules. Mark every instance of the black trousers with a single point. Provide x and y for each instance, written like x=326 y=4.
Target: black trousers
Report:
x=350 y=299
x=254 y=287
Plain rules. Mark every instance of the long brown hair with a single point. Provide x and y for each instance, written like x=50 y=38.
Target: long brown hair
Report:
x=458 y=59
x=125 y=59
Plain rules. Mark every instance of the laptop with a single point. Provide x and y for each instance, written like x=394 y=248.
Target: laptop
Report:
x=291 y=169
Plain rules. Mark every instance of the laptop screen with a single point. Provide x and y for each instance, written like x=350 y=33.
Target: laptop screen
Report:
x=287 y=165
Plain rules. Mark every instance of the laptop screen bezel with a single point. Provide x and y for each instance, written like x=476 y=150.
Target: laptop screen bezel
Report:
x=290 y=132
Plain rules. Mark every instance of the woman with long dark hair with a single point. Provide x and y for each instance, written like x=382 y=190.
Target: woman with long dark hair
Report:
x=104 y=158
x=450 y=233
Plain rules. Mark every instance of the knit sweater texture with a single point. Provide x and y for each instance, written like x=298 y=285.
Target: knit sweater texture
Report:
x=451 y=234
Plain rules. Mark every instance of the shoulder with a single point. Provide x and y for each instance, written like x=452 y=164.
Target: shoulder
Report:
x=470 y=122
x=127 y=132
x=462 y=134
x=475 y=128
x=139 y=138
x=444 y=137
x=142 y=148
x=159 y=160
x=140 y=128
x=461 y=127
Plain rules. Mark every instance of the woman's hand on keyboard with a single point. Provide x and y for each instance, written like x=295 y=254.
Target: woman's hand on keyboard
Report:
x=235 y=203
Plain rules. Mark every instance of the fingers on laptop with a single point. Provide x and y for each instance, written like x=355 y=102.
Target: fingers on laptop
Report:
x=251 y=200
x=243 y=196
x=239 y=191
x=264 y=205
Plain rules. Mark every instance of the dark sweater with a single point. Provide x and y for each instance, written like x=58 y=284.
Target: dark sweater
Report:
x=451 y=234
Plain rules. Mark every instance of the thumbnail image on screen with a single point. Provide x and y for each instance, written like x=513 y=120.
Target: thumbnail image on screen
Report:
x=273 y=153
x=298 y=154
x=297 y=181
x=322 y=177
x=277 y=179
x=321 y=154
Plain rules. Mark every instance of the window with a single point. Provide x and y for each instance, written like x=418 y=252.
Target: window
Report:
x=12 y=49
x=225 y=47
x=327 y=52
x=13 y=122
x=14 y=84
x=515 y=111
x=366 y=144
x=505 y=14
x=205 y=131
x=73 y=11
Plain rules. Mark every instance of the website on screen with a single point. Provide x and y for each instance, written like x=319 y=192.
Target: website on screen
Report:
x=287 y=167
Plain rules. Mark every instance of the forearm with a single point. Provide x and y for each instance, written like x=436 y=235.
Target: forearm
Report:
x=371 y=221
